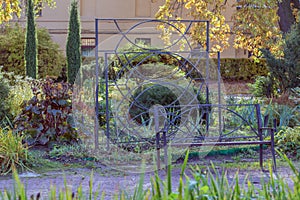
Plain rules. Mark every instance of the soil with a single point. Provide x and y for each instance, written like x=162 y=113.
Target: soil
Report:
x=111 y=181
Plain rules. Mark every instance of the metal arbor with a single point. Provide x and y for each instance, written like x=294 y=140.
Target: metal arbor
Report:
x=142 y=75
x=163 y=94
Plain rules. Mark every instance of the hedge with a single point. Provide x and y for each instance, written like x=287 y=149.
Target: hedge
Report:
x=242 y=68
x=232 y=69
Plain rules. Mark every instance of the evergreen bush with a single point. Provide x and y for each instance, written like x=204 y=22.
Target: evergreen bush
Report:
x=31 y=42
x=4 y=92
x=286 y=70
x=73 y=43
x=148 y=95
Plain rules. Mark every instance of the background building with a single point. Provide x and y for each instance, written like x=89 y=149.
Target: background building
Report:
x=56 y=20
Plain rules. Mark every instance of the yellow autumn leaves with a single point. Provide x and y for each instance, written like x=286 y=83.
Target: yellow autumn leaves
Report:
x=11 y=8
x=253 y=25
x=197 y=9
x=8 y=8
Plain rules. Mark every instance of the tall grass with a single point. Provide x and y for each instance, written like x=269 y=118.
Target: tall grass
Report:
x=12 y=152
x=201 y=185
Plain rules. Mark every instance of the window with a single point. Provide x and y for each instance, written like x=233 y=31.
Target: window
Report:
x=244 y=4
x=88 y=45
x=88 y=52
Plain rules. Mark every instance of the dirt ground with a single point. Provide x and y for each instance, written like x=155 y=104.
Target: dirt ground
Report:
x=110 y=181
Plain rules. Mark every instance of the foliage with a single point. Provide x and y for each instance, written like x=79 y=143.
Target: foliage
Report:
x=264 y=86
x=73 y=43
x=10 y=8
x=286 y=70
x=20 y=92
x=149 y=95
x=250 y=31
x=12 y=42
x=30 y=43
x=211 y=183
x=199 y=9
x=133 y=55
x=12 y=152
x=46 y=117
x=75 y=151
x=242 y=68
x=4 y=91
x=50 y=58
x=231 y=68
x=288 y=141
x=283 y=115
x=17 y=89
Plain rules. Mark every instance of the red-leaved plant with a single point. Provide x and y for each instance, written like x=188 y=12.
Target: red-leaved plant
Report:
x=46 y=117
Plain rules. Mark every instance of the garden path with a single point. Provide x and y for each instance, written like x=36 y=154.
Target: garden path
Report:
x=113 y=182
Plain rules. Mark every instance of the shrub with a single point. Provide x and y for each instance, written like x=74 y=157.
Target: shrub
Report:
x=284 y=115
x=132 y=55
x=31 y=42
x=4 y=91
x=12 y=41
x=14 y=90
x=242 y=68
x=232 y=69
x=264 y=86
x=73 y=43
x=12 y=152
x=288 y=141
x=286 y=70
x=20 y=92
x=46 y=117
x=149 y=95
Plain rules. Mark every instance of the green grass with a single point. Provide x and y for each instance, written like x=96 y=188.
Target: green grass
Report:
x=39 y=164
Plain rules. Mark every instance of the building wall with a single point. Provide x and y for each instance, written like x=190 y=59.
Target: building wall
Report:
x=56 y=20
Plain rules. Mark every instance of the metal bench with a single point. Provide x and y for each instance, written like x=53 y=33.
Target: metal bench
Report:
x=259 y=135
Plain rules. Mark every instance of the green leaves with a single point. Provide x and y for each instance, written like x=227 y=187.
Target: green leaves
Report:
x=288 y=141
x=73 y=43
x=31 y=42
x=12 y=152
x=12 y=43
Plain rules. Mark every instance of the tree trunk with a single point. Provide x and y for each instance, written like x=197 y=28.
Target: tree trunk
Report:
x=285 y=13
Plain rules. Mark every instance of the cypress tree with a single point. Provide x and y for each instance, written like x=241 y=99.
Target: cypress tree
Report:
x=31 y=42
x=73 y=43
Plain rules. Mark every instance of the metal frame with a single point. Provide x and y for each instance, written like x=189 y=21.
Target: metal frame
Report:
x=161 y=138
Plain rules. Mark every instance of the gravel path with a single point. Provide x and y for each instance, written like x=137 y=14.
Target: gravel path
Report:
x=111 y=182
